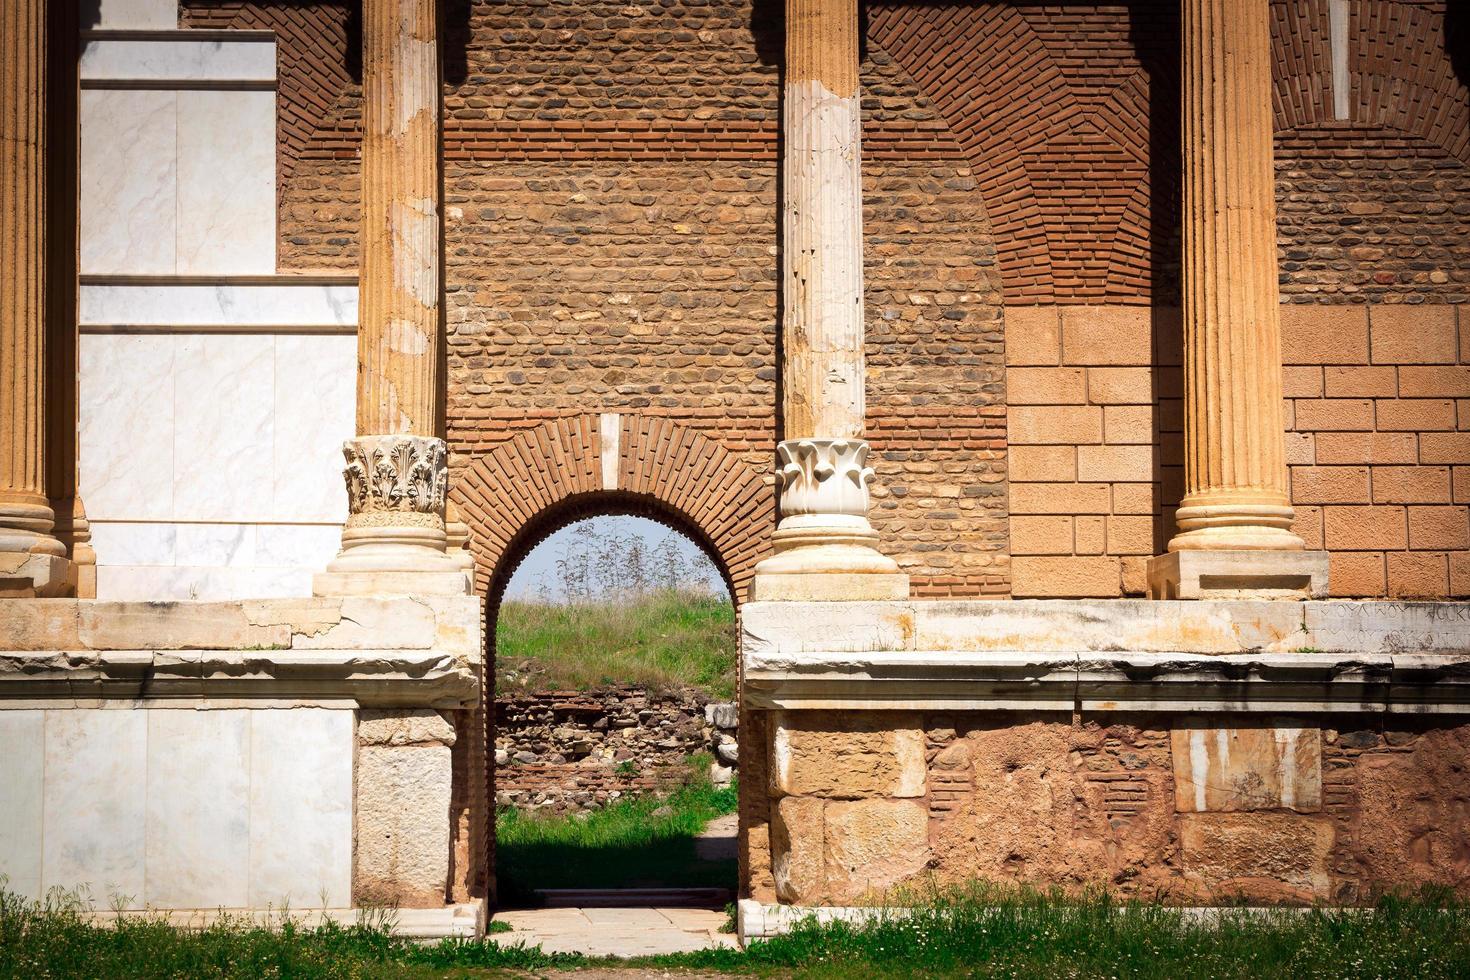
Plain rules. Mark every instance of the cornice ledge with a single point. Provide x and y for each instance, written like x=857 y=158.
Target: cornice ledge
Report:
x=377 y=678
x=1303 y=682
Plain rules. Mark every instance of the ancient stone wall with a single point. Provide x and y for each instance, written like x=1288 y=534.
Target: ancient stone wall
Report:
x=1202 y=809
x=610 y=241
x=579 y=750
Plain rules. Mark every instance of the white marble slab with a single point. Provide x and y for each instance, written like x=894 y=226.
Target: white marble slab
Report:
x=297 y=545
x=126 y=421
x=128 y=182
x=218 y=545
x=145 y=15
x=301 y=808
x=22 y=754
x=179 y=58
x=177 y=583
x=315 y=406
x=277 y=304
x=227 y=182
x=224 y=427
x=131 y=543
x=198 y=835
x=94 y=803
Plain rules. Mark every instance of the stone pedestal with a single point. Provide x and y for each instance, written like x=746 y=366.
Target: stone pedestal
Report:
x=33 y=561
x=1236 y=497
x=825 y=547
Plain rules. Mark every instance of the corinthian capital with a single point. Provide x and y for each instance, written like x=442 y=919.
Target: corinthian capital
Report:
x=823 y=476
x=397 y=479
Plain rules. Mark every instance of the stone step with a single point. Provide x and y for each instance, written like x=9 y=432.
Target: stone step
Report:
x=625 y=898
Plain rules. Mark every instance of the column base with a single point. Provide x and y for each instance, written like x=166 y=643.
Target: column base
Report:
x=387 y=560
x=827 y=559
x=35 y=576
x=1227 y=575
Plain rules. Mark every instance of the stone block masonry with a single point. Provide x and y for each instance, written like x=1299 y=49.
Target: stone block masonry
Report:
x=565 y=751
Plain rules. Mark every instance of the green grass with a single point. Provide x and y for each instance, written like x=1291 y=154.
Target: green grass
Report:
x=667 y=640
x=974 y=931
x=635 y=842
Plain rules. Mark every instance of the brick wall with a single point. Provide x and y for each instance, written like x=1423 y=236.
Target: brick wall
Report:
x=610 y=244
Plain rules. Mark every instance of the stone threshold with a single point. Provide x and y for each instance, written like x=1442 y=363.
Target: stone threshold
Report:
x=466 y=920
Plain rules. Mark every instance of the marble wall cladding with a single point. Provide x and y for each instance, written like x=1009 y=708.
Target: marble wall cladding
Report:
x=22 y=747
x=178 y=58
x=179 y=808
x=126 y=426
x=227 y=181
x=297 y=768
x=277 y=304
x=211 y=463
x=129 y=181
x=134 y=15
x=94 y=803
x=178 y=182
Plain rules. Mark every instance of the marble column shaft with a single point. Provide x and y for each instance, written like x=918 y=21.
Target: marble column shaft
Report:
x=1235 y=470
x=398 y=340
x=26 y=518
x=822 y=228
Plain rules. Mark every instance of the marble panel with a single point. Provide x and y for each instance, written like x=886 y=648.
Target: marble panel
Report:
x=278 y=304
x=227 y=182
x=315 y=411
x=96 y=762
x=126 y=421
x=134 y=544
x=135 y=15
x=198 y=834
x=223 y=433
x=301 y=807
x=221 y=545
x=178 y=58
x=296 y=545
x=128 y=181
x=153 y=583
x=22 y=755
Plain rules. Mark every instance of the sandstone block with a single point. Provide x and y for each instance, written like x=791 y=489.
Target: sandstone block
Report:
x=1329 y=484
x=40 y=624
x=1033 y=335
x=1115 y=464
x=1415 y=414
x=1120 y=335
x=1417 y=574
x=1357 y=382
x=797 y=844
x=1042 y=464
x=1036 y=425
x=1444 y=447
x=838 y=756
x=1071 y=576
x=1061 y=498
x=1041 y=535
x=1046 y=386
x=402 y=831
x=1341 y=448
x=1120 y=386
x=1333 y=414
x=1282 y=856
x=1313 y=334
x=1365 y=528
x=872 y=845
x=1432 y=528
x=1128 y=425
x=1419 y=334
x=403 y=727
x=1434 y=382
x=1411 y=484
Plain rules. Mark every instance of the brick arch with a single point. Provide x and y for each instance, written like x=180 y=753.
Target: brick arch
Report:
x=544 y=477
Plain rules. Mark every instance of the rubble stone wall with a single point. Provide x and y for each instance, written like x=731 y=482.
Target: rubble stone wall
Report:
x=567 y=751
x=1189 y=809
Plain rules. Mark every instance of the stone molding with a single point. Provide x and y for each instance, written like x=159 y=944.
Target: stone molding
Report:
x=396 y=480
x=823 y=476
x=419 y=651
x=1112 y=655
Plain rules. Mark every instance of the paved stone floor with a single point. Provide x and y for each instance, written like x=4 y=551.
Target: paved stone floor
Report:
x=615 y=932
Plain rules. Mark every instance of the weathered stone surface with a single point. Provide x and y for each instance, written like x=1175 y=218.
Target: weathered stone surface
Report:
x=797 y=850
x=1264 y=855
x=1236 y=769
x=389 y=727
x=40 y=624
x=840 y=756
x=1413 y=825
x=873 y=845
x=402 y=830
x=175 y=626
x=373 y=623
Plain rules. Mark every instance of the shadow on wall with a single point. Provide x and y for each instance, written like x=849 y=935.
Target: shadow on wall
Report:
x=1457 y=39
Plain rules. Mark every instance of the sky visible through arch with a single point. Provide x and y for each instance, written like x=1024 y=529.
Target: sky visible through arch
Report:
x=538 y=578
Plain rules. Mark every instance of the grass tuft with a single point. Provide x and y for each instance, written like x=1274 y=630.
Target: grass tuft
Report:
x=664 y=640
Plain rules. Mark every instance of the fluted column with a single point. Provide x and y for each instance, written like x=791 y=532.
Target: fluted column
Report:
x=394 y=539
x=825 y=547
x=1235 y=518
x=32 y=560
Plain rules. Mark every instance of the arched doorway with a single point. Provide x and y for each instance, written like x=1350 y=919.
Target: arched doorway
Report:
x=542 y=478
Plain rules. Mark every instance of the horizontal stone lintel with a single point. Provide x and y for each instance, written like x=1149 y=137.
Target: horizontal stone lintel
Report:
x=1435 y=683
x=379 y=678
